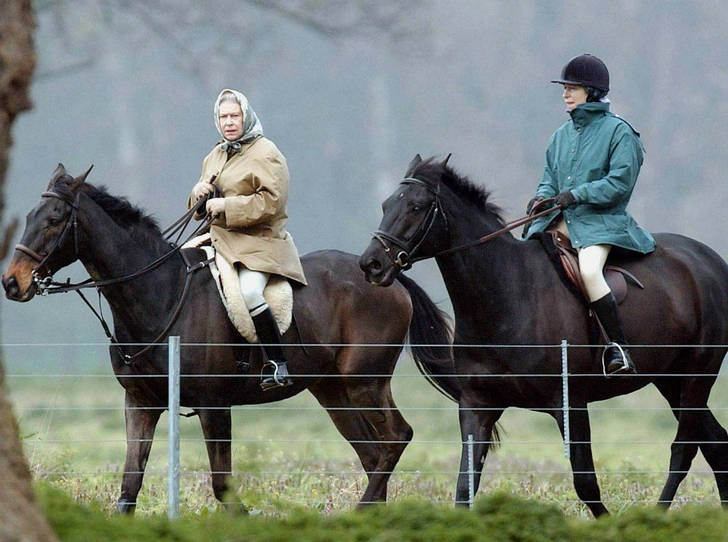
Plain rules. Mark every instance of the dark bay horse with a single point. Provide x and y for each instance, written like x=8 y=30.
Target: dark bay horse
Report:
x=343 y=345
x=506 y=293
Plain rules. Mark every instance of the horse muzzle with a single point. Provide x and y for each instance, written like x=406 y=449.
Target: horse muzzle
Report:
x=377 y=271
x=19 y=284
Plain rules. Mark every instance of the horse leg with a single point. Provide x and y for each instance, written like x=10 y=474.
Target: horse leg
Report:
x=714 y=451
x=378 y=437
x=217 y=429
x=684 y=447
x=477 y=422
x=581 y=458
x=373 y=397
x=141 y=422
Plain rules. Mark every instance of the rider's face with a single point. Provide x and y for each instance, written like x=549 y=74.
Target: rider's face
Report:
x=574 y=95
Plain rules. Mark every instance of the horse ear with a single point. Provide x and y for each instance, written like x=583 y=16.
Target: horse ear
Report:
x=59 y=172
x=446 y=160
x=78 y=181
x=416 y=160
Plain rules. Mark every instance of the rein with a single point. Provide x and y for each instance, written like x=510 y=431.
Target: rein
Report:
x=406 y=255
x=45 y=285
x=508 y=227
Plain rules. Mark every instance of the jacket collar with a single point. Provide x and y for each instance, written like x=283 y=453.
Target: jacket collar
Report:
x=584 y=114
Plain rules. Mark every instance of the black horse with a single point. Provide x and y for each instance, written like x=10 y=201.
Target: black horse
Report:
x=342 y=346
x=507 y=292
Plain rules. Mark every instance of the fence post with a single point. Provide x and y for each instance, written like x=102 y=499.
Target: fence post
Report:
x=173 y=411
x=565 y=391
x=471 y=472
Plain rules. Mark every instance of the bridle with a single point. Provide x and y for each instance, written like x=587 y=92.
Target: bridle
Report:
x=405 y=256
x=45 y=284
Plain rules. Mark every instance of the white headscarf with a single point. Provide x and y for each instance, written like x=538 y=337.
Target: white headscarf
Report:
x=252 y=127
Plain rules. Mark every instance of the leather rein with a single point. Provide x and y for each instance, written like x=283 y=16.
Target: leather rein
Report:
x=404 y=257
x=46 y=285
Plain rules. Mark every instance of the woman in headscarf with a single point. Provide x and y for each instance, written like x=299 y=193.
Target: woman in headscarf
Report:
x=249 y=218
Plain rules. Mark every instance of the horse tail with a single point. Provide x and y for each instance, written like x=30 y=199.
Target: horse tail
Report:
x=430 y=341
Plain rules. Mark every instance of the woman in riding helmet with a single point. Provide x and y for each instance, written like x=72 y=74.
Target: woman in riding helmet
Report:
x=249 y=217
x=592 y=164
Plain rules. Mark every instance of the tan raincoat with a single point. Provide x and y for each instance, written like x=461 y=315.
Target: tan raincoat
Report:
x=252 y=229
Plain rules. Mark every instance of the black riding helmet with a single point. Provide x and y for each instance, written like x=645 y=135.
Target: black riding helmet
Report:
x=588 y=71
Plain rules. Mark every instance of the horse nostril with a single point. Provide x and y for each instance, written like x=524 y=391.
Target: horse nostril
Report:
x=369 y=265
x=10 y=285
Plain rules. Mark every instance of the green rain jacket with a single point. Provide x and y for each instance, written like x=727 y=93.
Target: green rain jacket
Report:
x=597 y=156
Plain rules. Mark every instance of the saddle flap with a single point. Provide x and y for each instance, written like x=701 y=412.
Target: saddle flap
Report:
x=567 y=261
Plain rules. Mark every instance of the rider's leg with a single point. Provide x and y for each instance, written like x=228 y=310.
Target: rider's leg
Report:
x=275 y=370
x=591 y=263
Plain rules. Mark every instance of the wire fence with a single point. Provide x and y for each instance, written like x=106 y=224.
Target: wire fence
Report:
x=72 y=425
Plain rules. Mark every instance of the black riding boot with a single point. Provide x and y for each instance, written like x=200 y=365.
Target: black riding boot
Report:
x=275 y=370
x=616 y=358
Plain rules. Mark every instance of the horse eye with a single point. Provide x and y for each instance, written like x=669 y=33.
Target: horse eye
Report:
x=54 y=220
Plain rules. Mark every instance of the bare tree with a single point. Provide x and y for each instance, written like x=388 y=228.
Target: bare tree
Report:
x=206 y=37
x=20 y=518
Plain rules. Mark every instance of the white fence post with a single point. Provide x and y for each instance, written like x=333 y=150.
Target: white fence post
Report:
x=173 y=411
x=471 y=472
x=565 y=390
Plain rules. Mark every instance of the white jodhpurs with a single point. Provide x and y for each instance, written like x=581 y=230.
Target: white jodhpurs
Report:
x=591 y=265
x=252 y=284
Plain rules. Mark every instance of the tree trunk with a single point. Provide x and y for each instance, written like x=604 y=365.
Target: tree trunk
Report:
x=20 y=518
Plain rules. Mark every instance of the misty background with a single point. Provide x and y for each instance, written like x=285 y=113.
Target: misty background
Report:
x=350 y=91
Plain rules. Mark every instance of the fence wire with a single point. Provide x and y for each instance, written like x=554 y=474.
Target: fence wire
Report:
x=72 y=424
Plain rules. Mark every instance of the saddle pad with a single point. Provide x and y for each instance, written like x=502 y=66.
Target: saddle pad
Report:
x=278 y=293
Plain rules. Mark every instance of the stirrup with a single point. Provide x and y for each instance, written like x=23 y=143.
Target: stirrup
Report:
x=626 y=368
x=279 y=377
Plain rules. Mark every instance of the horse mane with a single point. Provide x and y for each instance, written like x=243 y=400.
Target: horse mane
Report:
x=433 y=172
x=121 y=211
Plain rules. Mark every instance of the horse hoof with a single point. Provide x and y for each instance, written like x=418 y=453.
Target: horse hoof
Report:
x=125 y=507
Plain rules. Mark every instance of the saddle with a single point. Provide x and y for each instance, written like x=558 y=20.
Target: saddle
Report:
x=278 y=293
x=566 y=261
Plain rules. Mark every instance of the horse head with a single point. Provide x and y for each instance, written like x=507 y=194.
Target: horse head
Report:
x=414 y=226
x=50 y=239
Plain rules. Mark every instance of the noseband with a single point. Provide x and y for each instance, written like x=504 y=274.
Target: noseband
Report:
x=405 y=255
x=43 y=282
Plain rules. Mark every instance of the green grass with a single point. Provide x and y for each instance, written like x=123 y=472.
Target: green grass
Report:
x=289 y=454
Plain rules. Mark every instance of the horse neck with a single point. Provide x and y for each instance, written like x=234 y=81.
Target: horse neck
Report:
x=109 y=251
x=487 y=281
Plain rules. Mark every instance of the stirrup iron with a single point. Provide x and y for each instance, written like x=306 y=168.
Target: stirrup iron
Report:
x=626 y=367
x=279 y=377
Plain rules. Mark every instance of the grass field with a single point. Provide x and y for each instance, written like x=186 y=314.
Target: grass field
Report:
x=72 y=424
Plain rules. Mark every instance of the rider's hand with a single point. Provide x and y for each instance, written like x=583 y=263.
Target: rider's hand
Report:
x=202 y=189
x=565 y=200
x=215 y=206
x=533 y=202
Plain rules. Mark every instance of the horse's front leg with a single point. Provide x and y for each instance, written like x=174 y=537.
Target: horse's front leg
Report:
x=582 y=460
x=477 y=423
x=217 y=428
x=141 y=422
